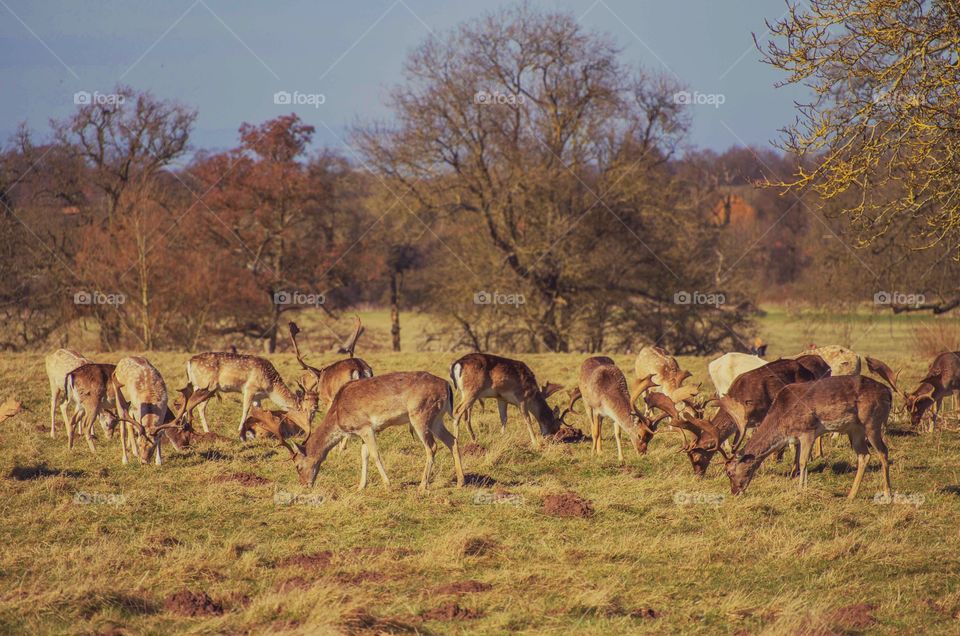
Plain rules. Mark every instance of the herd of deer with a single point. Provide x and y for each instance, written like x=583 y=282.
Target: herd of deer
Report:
x=787 y=401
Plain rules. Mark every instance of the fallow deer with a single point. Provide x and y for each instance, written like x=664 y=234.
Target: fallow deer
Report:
x=366 y=407
x=58 y=364
x=855 y=405
x=942 y=380
x=666 y=372
x=728 y=367
x=483 y=375
x=255 y=378
x=756 y=390
x=86 y=386
x=842 y=361
x=605 y=393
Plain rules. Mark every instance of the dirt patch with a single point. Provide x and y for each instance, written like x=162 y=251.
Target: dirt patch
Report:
x=643 y=612
x=315 y=561
x=158 y=545
x=859 y=616
x=567 y=504
x=361 y=621
x=472 y=449
x=41 y=470
x=567 y=435
x=478 y=546
x=245 y=479
x=187 y=603
x=451 y=611
x=214 y=455
x=463 y=587
x=289 y=585
x=480 y=481
x=236 y=600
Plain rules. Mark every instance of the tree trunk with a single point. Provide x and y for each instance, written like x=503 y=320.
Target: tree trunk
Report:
x=395 y=310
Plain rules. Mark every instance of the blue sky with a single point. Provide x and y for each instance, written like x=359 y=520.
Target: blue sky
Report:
x=228 y=58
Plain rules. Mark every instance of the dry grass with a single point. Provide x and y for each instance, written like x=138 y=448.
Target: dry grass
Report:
x=485 y=558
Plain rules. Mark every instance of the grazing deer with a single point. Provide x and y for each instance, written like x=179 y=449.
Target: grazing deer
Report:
x=666 y=373
x=942 y=380
x=856 y=405
x=754 y=389
x=276 y=424
x=483 y=375
x=255 y=378
x=86 y=387
x=366 y=407
x=605 y=394
x=60 y=363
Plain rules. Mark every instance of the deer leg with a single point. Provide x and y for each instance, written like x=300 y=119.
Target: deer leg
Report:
x=247 y=400
x=429 y=445
x=804 y=448
x=88 y=434
x=818 y=447
x=526 y=419
x=876 y=440
x=451 y=442
x=71 y=427
x=616 y=436
x=364 y=464
x=597 y=429
x=202 y=410
x=123 y=440
x=342 y=446
x=860 y=447
x=502 y=410
x=371 y=440
x=462 y=411
x=158 y=440
x=54 y=395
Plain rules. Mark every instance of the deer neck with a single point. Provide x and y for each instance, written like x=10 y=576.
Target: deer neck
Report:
x=767 y=439
x=539 y=408
x=325 y=436
x=283 y=397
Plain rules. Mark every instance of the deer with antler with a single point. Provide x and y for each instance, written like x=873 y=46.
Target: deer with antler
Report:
x=87 y=387
x=328 y=380
x=667 y=375
x=754 y=389
x=483 y=375
x=366 y=407
x=141 y=397
x=605 y=393
x=255 y=378
x=855 y=405
x=941 y=380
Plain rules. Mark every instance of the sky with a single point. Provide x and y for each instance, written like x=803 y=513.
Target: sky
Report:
x=227 y=59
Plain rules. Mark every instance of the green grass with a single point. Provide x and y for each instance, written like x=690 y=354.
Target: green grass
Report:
x=774 y=560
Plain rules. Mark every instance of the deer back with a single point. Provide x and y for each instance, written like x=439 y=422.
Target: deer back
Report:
x=62 y=362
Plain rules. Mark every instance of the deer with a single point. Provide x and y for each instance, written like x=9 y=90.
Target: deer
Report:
x=328 y=380
x=86 y=386
x=941 y=380
x=255 y=378
x=666 y=372
x=756 y=390
x=364 y=408
x=856 y=405
x=728 y=367
x=605 y=393
x=842 y=361
x=58 y=364
x=483 y=375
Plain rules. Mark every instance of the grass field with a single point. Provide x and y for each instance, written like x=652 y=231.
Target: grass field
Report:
x=93 y=546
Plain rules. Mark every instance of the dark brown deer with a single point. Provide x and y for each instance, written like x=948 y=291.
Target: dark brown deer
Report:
x=755 y=390
x=855 y=405
x=482 y=375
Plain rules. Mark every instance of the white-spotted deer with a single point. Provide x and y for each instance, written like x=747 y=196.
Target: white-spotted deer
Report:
x=366 y=407
x=58 y=364
x=667 y=375
x=855 y=405
x=86 y=386
x=483 y=375
x=255 y=378
x=605 y=393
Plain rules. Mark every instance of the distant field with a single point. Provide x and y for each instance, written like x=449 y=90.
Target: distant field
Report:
x=663 y=552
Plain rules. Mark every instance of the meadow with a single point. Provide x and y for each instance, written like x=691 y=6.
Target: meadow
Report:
x=222 y=539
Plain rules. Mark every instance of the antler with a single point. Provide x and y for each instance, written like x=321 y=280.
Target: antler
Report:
x=736 y=410
x=641 y=386
x=294 y=330
x=351 y=343
x=664 y=403
x=880 y=368
x=684 y=393
x=574 y=396
x=191 y=399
